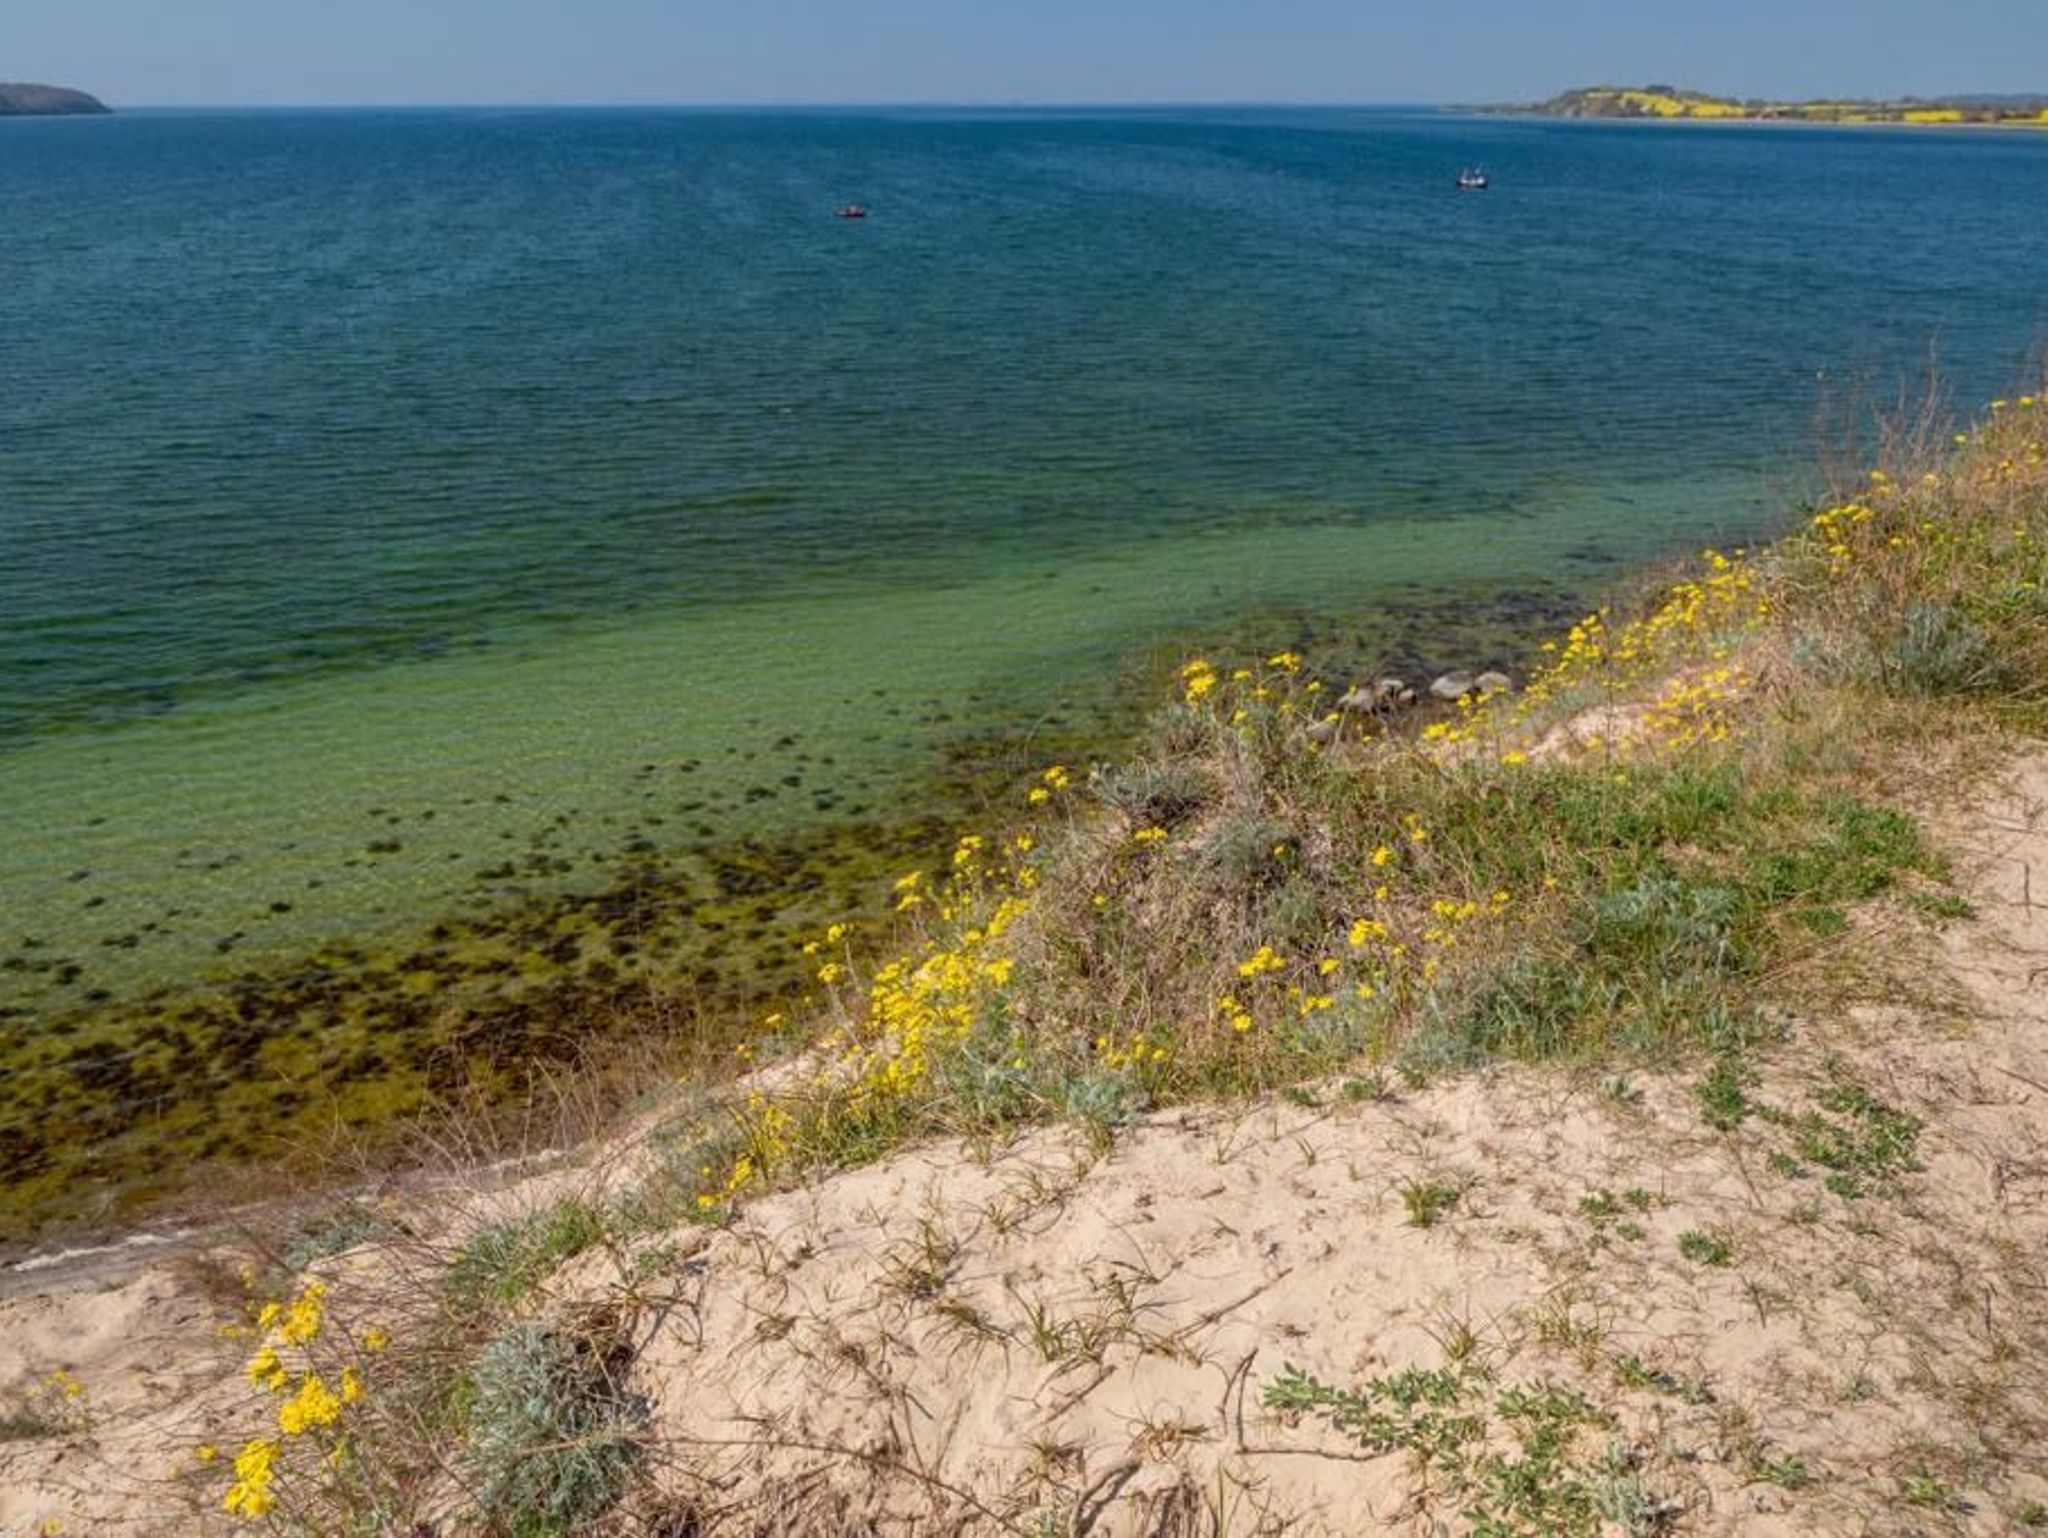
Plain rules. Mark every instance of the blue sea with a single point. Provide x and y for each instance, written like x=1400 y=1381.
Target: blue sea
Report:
x=430 y=535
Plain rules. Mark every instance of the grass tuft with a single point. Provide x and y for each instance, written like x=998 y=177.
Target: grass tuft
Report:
x=505 y=1261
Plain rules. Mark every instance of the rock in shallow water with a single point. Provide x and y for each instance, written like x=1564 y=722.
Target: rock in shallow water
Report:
x=1371 y=699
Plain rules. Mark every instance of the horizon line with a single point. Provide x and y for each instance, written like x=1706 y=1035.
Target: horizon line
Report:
x=923 y=104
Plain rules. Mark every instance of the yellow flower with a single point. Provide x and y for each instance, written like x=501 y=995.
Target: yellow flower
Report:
x=266 y=1370
x=206 y=1452
x=314 y=1405
x=1365 y=931
x=249 y=1496
x=1264 y=959
x=1149 y=836
x=375 y=1339
x=302 y=1320
x=1383 y=856
x=1514 y=758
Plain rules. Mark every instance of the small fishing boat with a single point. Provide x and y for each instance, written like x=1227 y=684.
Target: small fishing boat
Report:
x=1472 y=179
x=853 y=211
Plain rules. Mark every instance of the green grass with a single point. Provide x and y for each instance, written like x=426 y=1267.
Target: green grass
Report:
x=27 y=1425
x=503 y=1262
x=1428 y=1202
x=1930 y=1492
x=1787 y=1473
x=1707 y=1248
x=1525 y=1460
x=1723 y=1103
x=1609 y=1214
x=1866 y=1146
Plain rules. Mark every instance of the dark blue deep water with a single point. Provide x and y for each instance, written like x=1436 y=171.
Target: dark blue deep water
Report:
x=283 y=393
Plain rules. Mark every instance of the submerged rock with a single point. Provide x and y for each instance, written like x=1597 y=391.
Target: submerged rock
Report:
x=1371 y=699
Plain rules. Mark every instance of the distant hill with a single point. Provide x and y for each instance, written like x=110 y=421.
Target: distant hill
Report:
x=1663 y=101
x=22 y=100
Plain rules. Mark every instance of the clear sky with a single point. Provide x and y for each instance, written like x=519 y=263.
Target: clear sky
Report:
x=204 y=52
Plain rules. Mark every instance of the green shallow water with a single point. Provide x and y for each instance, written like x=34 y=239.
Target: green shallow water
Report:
x=475 y=578
x=366 y=801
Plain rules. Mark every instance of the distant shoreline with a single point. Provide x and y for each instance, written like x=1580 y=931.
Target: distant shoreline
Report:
x=1669 y=104
x=24 y=99
x=1531 y=115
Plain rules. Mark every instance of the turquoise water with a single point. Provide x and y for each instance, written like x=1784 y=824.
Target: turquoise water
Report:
x=425 y=515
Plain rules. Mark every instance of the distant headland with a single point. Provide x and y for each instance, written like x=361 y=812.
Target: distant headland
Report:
x=1668 y=102
x=23 y=100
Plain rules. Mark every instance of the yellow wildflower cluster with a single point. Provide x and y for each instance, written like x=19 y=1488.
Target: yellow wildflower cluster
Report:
x=1238 y=696
x=917 y=1005
x=59 y=1400
x=67 y=1386
x=1305 y=1001
x=298 y=1322
x=252 y=1495
x=1267 y=962
x=1696 y=706
x=1050 y=784
x=895 y=1027
x=315 y=1404
x=309 y=1405
x=1234 y=1014
x=1263 y=960
x=1695 y=625
x=1141 y=1051
x=1401 y=944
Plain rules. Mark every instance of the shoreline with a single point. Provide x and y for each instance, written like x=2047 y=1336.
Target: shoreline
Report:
x=1651 y=119
x=355 y=1041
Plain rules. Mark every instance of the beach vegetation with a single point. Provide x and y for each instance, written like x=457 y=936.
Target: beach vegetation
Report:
x=1661 y=852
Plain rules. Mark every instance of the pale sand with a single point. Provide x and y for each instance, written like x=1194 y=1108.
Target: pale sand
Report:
x=805 y=1374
